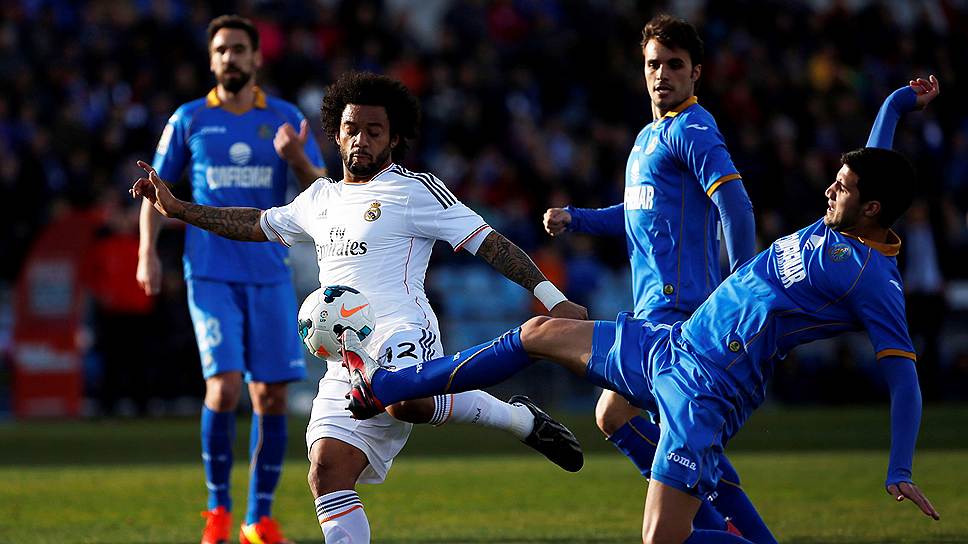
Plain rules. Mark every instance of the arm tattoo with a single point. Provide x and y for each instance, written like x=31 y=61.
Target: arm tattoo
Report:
x=510 y=260
x=233 y=223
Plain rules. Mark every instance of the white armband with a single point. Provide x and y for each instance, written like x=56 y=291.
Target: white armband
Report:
x=548 y=294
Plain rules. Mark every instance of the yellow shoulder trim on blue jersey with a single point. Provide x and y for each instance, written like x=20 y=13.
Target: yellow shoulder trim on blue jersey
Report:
x=213 y=101
x=890 y=248
x=260 y=99
x=678 y=109
x=896 y=353
x=720 y=181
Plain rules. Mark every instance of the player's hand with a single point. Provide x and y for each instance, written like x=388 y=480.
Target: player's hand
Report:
x=148 y=274
x=288 y=144
x=556 y=220
x=156 y=191
x=569 y=310
x=909 y=490
x=927 y=90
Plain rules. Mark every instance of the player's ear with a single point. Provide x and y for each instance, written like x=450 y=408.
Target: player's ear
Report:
x=871 y=208
x=257 y=59
x=696 y=71
x=394 y=141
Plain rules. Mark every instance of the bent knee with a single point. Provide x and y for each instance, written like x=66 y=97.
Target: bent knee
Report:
x=610 y=420
x=535 y=329
x=612 y=412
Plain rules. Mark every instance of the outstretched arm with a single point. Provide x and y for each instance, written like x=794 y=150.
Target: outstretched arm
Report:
x=233 y=223
x=902 y=379
x=915 y=96
x=608 y=221
x=509 y=259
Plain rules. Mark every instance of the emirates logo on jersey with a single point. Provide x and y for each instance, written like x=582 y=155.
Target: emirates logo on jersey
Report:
x=372 y=213
x=339 y=245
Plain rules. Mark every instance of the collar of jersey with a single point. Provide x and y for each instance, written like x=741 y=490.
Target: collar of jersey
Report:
x=889 y=249
x=381 y=172
x=213 y=101
x=678 y=109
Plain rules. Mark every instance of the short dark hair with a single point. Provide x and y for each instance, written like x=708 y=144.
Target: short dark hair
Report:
x=674 y=32
x=883 y=175
x=233 y=21
x=369 y=89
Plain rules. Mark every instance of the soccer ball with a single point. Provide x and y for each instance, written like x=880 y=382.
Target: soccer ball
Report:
x=327 y=312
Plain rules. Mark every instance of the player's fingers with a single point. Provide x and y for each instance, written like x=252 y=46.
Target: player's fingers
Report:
x=934 y=83
x=303 y=130
x=146 y=167
x=914 y=493
x=895 y=492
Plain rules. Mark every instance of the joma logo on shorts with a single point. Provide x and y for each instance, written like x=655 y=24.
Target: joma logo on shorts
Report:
x=691 y=465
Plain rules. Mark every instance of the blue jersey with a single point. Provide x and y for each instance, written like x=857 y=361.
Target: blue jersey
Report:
x=671 y=224
x=815 y=283
x=233 y=163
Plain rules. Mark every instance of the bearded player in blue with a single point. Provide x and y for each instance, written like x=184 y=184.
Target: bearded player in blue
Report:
x=240 y=144
x=680 y=184
x=704 y=376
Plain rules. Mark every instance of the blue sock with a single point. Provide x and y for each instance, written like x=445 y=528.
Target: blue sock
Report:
x=267 y=446
x=637 y=439
x=701 y=536
x=473 y=368
x=218 y=432
x=731 y=501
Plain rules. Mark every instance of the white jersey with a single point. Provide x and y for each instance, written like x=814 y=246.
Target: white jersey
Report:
x=377 y=237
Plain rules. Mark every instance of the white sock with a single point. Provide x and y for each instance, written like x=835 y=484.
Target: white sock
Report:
x=480 y=408
x=342 y=519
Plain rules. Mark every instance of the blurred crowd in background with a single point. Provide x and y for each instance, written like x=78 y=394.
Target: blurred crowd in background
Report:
x=526 y=104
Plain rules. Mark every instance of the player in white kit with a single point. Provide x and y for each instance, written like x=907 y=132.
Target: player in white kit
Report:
x=374 y=231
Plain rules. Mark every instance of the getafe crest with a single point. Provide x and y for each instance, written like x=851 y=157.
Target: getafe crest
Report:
x=839 y=252
x=372 y=213
x=266 y=132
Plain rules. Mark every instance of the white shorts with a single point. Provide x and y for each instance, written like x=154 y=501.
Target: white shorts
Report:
x=382 y=437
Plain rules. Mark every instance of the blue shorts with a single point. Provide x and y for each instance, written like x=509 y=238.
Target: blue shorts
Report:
x=642 y=362
x=247 y=328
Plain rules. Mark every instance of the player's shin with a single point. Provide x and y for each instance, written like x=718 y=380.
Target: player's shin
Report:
x=267 y=447
x=341 y=517
x=483 y=409
x=731 y=501
x=473 y=368
x=637 y=439
x=217 y=434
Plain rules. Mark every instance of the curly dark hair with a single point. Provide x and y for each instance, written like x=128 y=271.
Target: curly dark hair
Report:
x=369 y=89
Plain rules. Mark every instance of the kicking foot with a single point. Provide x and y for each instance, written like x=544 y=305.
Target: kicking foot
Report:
x=551 y=438
x=363 y=403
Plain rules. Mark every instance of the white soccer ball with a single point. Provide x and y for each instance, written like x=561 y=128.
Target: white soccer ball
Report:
x=327 y=312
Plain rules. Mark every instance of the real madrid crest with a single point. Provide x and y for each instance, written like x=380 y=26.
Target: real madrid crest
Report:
x=372 y=213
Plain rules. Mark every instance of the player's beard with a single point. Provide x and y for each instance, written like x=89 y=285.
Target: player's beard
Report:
x=367 y=170
x=233 y=82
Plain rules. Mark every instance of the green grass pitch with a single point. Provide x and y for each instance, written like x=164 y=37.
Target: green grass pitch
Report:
x=816 y=476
